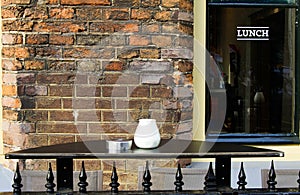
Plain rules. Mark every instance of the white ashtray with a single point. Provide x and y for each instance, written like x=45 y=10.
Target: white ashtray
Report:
x=118 y=144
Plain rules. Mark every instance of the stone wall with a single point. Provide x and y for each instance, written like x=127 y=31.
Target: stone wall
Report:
x=76 y=70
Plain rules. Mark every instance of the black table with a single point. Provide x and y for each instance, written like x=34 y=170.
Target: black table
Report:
x=65 y=153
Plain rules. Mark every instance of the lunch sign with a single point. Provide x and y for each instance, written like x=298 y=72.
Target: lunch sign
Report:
x=252 y=33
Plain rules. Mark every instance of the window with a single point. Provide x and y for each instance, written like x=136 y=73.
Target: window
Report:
x=254 y=47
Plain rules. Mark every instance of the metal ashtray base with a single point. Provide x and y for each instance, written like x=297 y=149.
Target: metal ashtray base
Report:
x=118 y=145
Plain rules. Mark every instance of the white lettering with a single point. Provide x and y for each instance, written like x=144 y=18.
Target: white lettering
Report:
x=253 y=33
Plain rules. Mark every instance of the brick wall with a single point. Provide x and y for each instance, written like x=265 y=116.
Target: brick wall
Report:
x=89 y=69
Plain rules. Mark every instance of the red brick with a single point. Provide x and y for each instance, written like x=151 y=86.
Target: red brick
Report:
x=114 y=91
x=15 y=52
x=58 y=78
x=11 y=39
x=12 y=115
x=55 y=127
x=166 y=15
x=151 y=28
x=114 y=66
x=36 y=39
x=21 y=2
x=12 y=12
x=61 y=65
x=11 y=65
x=89 y=13
x=150 y=53
x=36 y=115
x=26 y=78
x=61 y=13
x=35 y=140
x=186 y=5
x=9 y=90
x=150 y=3
x=85 y=2
x=161 y=92
x=91 y=115
x=36 y=13
x=36 y=90
x=63 y=27
x=60 y=115
x=50 y=51
x=116 y=14
x=61 y=40
x=61 y=139
x=139 y=40
x=11 y=102
x=170 y=3
x=34 y=65
x=106 y=53
x=61 y=90
x=17 y=25
x=162 y=40
x=49 y=103
x=115 y=116
x=141 y=14
x=139 y=91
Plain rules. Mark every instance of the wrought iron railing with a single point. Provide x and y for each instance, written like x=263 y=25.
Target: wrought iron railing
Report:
x=210 y=185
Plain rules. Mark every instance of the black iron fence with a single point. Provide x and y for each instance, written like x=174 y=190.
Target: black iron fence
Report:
x=210 y=185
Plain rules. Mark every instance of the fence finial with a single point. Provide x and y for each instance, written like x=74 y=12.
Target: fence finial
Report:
x=147 y=179
x=272 y=176
x=17 y=181
x=82 y=179
x=114 y=180
x=50 y=178
x=178 y=183
x=242 y=178
x=210 y=183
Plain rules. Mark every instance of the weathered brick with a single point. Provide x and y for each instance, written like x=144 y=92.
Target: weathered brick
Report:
x=9 y=90
x=182 y=92
x=15 y=52
x=63 y=27
x=28 y=102
x=139 y=91
x=114 y=66
x=11 y=39
x=90 y=115
x=89 y=66
x=88 y=91
x=116 y=14
x=85 y=2
x=35 y=115
x=36 y=90
x=126 y=3
x=186 y=16
x=36 y=13
x=9 y=78
x=186 y=28
x=13 y=115
x=150 y=53
x=161 y=92
x=59 y=115
x=177 y=54
x=151 y=28
x=170 y=3
x=89 y=13
x=128 y=53
x=12 y=12
x=114 y=91
x=187 y=5
x=150 y=3
x=36 y=140
x=162 y=40
x=50 y=51
x=150 y=66
x=141 y=14
x=121 y=79
x=17 y=25
x=109 y=27
x=185 y=42
x=11 y=65
x=114 y=116
x=166 y=15
x=34 y=65
x=26 y=78
x=61 y=13
x=62 y=127
x=89 y=39
x=61 y=39
x=61 y=139
x=37 y=39
x=49 y=103
x=21 y=2
x=11 y=102
x=61 y=90
x=139 y=40
x=58 y=78
x=184 y=66
x=61 y=66
x=151 y=78
x=106 y=53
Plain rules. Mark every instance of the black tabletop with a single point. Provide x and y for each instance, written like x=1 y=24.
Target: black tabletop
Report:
x=167 y=149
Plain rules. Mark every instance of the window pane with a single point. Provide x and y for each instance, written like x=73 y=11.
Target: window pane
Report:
x=255 y=50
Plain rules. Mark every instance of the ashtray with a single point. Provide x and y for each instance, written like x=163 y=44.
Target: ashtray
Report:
x=118 y=144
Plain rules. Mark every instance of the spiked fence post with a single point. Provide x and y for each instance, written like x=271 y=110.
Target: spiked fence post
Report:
x=147 y=179
x=82 y=179
x=272 y=176
x=114 y=180
x=50 y=178
x=17 y=181
x=178 y=179
x=242 y=178
x=210 y=183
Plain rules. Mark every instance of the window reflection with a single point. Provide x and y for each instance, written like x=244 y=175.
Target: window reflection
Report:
x=258 y=74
